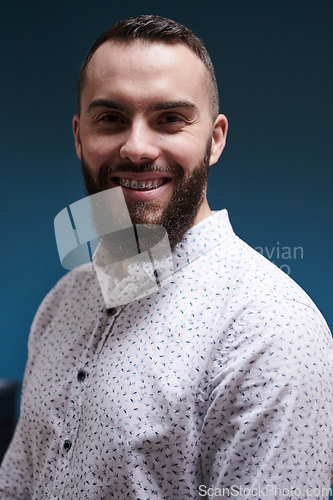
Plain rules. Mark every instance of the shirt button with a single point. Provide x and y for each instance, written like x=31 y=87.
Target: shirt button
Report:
x=111 y=311
x=67 y=445
x=81 y=376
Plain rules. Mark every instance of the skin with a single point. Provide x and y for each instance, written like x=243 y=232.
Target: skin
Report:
x=146 y=114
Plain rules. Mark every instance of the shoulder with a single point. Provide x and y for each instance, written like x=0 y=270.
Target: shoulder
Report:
x=77 y=288
x=256 y=280
x=260 y=301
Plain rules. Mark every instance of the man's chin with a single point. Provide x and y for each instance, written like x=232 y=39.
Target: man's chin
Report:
x=145 y=213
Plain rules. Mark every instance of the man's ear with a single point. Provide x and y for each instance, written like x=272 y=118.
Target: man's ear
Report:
x=219 y=137
x=76 y=132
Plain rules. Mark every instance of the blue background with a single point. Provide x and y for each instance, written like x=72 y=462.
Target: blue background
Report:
x=274 y=67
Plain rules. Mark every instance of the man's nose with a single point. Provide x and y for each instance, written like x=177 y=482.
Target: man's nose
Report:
x=140 y=143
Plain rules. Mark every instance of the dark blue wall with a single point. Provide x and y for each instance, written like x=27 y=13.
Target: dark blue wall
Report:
x=274 y=67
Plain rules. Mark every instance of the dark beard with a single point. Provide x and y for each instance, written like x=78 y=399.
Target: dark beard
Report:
x=179 y=214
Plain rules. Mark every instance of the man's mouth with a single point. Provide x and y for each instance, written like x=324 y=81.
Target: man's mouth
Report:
x=140 y=184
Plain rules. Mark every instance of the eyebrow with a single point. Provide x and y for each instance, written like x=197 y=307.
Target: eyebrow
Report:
x=106 y=103
x=161 y=106
x=171 y=105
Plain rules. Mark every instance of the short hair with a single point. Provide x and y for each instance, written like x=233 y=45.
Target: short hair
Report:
x=154 y=29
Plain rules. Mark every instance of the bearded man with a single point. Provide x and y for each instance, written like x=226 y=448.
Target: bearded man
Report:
x=218 y=383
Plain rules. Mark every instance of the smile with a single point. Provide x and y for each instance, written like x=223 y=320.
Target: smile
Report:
x=140 y=185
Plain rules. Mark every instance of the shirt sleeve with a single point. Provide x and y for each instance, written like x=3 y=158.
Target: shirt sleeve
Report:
x=13 y=472
x=268 y=428
x=16 y=472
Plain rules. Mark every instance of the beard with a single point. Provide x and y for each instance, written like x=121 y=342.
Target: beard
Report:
x=178 y=214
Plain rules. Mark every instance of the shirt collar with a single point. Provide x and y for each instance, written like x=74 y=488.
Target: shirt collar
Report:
x=201 y=238
x=136 y=278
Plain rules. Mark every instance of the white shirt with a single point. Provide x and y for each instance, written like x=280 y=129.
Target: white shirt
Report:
x=219 y=382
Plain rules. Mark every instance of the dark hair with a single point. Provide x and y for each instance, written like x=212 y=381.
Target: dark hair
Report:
x=154 y=29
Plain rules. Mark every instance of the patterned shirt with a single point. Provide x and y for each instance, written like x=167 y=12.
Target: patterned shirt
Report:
x=217 y=385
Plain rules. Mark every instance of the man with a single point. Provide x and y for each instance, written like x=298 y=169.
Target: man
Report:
x=218 y=384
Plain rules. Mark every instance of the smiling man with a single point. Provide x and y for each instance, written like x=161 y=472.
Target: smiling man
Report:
x=147 y=125
x=216 y=385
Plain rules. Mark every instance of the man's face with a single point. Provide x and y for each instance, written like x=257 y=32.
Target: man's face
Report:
x=146 y=125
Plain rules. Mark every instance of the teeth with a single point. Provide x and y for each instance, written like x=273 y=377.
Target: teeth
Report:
x=141 y=184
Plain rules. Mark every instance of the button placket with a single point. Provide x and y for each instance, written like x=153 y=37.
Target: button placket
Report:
x=108 y=330
x=77 y=395
x=69 y=435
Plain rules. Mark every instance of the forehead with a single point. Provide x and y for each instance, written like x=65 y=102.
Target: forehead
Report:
x=146 y=70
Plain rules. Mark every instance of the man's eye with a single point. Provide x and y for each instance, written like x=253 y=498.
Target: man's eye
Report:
x=171 y=119
x=110 y=118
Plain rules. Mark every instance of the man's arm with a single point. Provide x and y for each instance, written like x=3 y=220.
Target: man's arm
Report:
x=14 y=471
x=17 y=467
x=269 y=424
